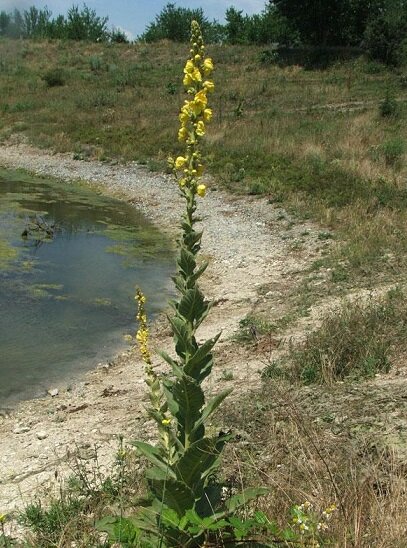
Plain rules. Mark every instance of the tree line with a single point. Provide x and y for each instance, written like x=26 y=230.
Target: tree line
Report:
x=78 y=24
x=377 y=26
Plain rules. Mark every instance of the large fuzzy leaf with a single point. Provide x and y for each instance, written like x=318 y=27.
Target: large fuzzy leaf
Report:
x=192 y=305
x=241 y=499
x=176 y=369
x=174 y=494
x=187 y=262
x=199 y=365
x=198 y=460
x=154 y=456
x=182 y=336
x=185 y=400
x=211 y=407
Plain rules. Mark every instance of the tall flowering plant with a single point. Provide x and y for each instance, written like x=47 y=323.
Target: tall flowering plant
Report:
x=185 y=506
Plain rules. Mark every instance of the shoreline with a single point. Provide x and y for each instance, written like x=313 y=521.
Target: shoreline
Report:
x=245 y=253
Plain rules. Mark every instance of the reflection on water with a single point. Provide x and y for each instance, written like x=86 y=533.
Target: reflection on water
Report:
x=67 y=298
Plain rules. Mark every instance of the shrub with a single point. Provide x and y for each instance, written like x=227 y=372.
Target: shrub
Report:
x=54 y=77
x=388 y=108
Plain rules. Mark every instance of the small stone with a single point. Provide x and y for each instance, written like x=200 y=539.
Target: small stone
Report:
x=42 y=435
x=21 y=429
x=53 y=392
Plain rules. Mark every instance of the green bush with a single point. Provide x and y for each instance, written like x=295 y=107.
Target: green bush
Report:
x=388 y=108
x=54 y=77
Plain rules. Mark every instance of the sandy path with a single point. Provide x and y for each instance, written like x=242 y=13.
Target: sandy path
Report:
x=247 y=245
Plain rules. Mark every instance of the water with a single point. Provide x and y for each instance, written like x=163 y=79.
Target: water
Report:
x=67 y=299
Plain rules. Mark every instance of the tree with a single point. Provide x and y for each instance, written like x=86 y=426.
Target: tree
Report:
x=318 y=21
x=386 y=34
x=85 y=24
x=173 y=23
x=36 y=22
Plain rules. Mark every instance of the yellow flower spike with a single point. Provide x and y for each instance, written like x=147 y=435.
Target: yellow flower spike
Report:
x=180 y=162
x=207 y=114
x=201 y=190
x=200 y=129
x=208 y=65
x=209 y=85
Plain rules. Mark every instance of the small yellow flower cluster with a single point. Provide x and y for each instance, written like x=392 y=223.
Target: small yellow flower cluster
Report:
x=142 y=333
x=194 y=114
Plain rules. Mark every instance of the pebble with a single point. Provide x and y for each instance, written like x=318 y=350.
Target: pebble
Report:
x=53 y=392
x=42 y=435
x=21 y=429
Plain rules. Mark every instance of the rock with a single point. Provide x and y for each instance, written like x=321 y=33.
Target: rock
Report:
x=21 y=429
x=42 y=435
x=53 y=392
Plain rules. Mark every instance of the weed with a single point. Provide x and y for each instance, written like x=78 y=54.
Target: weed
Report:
x=393 y=151
x=354 y=342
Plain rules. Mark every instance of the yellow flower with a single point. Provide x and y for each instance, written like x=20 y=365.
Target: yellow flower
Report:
x=189 y=67
x=166 y=422
x=180 y=162
x=208 y=65
x=182 y=182
x=201 y=190
x=196 y=75
x=188 y=81
x=182 y=134
x=184 y=114
x=207 y=114
x=200 y=129
x=209 y=85
x=201 y=99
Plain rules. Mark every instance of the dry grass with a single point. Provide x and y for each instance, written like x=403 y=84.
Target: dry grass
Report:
x=289 y=445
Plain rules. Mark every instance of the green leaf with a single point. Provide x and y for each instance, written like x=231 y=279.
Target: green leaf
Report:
x=211 y=407
x=200 y=359
x=182 y=336
x=187 y=262
x=198 y=460
x=185 y=399
x=176 y=369
x=192 y=305
x=198 y=273
x=153 y=454
x=241 y=499
x=174 y=494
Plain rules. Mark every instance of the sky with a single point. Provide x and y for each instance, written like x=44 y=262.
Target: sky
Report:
x=133 y=16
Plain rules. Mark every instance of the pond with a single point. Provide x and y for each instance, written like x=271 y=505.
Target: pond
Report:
x=70 y=260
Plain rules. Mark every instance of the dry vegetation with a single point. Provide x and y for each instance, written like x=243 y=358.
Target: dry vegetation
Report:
x=328 y=144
